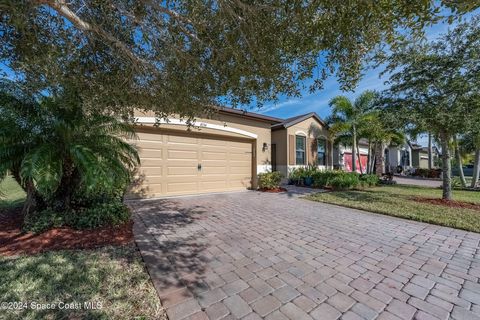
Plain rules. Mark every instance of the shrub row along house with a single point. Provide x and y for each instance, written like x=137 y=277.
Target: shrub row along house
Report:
x=227 y=151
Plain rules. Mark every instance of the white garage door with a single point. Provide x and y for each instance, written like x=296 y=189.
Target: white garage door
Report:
x=178 y=164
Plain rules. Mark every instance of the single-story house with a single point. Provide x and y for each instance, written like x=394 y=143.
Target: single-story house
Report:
x=408 y=156
x=396 y=156
x=225 y=152
x=420 y=156
x=300 y=141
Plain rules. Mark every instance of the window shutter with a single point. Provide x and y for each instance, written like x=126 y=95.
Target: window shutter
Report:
x=291 y=150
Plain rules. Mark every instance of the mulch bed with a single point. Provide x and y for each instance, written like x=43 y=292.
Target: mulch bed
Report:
x=275 y=190
x=14 y=242
x=446 y=203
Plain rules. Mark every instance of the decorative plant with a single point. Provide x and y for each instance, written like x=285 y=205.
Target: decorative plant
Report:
x=59 y=153
x=269 y=180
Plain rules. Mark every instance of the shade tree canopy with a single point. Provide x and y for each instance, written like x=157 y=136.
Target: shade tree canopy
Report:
x=185 y=56
x=436 y=85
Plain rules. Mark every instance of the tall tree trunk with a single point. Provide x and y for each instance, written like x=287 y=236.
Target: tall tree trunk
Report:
x=359 y=159
x=331 y=153
x=29 y=203
x=430 y=152
x=446 y=167
x=354 y=150
x=458 y=157
x=476 y=169
x=379 y=159
x=373 y=158
x=369 y=156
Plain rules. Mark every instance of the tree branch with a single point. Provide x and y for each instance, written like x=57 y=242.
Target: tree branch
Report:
x=61 y=7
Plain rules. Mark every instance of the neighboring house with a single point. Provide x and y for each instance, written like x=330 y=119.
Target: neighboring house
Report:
x=300 y=141
x=223 y=153
x=396 y=156
x=420 y=156
x=342 y=157
x=408 y=156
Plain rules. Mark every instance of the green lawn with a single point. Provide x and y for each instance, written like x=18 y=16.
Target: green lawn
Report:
x=10 y=193
x=113 y=277
x=397 y=201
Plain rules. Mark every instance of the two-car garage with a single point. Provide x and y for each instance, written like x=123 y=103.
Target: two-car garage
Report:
x=181 y=163
x=216 y=156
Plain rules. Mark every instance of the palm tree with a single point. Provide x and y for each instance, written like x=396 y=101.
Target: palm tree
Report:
x=380 y=134
x=53 y=147
x=347 y=117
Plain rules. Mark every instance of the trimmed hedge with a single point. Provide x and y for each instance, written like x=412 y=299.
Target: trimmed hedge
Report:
x=335 y=179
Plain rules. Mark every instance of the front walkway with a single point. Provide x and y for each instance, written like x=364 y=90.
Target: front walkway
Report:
x=254 y=255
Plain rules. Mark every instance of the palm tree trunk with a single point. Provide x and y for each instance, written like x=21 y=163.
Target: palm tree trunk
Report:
x=330 y=152
x=369 y=156
x=476 y=169
x=379 y=159
x=29 y=203
x=359 y=159
x=373 y=158
x=354 y=148
x=430 y=152
x=458 y=157
x=446 y=167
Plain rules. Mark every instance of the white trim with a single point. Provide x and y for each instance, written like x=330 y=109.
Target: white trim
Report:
x=363 y=151
x=300 y=133
x=180 y=122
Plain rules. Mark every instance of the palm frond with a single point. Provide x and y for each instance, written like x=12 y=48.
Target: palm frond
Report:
x=44 y=166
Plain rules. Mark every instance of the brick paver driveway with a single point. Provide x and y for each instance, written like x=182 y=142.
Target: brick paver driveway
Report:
x=253 y=255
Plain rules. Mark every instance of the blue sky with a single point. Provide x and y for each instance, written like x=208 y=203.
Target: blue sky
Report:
x=318 y=101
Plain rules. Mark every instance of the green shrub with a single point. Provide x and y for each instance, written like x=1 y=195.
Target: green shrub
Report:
x=297 y=175
x=344 y=181
x=322 y=178
x=103 y=214
x=336 y=179
x=43 y=221
x=269 y=180
x=369 y=180
x=428 y=173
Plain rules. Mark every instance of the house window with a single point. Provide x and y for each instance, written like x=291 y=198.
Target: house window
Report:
x=300 y=150
x=321 y=147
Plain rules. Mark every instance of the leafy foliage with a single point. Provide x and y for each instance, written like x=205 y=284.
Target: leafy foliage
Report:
x=183 y=57
x=269 y=180
x=427 y=173
x=322 y=178
x=335 y=179
x=369 y=180
x=347 y=119
x=102 y=214
x=436 y=85
x=344 y=181
x=54 y=148
x=43 y=220
x=111 y=213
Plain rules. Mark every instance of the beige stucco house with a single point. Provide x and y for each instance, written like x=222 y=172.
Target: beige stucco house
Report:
x=224 y=152
x=300 y=141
